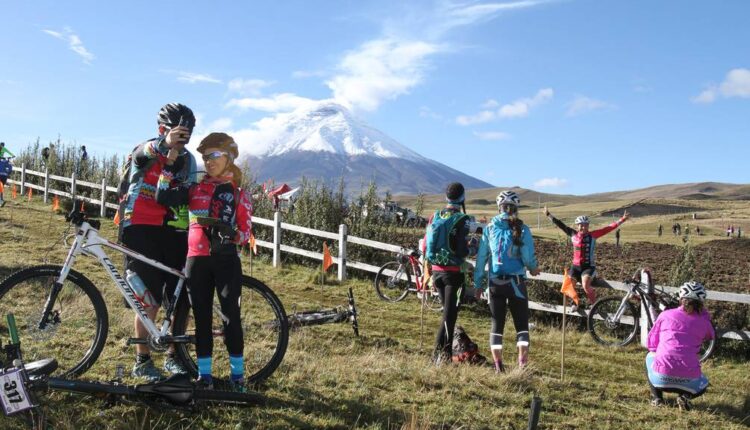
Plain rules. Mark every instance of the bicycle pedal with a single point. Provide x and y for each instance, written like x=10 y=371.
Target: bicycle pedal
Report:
x=136 y=341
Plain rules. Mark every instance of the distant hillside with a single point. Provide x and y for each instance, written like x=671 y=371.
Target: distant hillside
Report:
x=692 y=191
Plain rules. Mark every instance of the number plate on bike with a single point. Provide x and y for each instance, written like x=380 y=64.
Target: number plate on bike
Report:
x=13 y=393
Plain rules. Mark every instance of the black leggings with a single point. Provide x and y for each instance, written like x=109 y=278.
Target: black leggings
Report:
x=511 y=295
x=223 y=273
x=448 y=285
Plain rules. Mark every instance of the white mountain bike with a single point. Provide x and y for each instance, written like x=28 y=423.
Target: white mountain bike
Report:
x=61 y=314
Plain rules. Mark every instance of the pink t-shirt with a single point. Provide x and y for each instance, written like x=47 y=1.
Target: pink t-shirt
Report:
x=676 y=338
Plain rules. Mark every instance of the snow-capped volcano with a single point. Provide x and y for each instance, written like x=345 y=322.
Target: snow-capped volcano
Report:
x=325 y=141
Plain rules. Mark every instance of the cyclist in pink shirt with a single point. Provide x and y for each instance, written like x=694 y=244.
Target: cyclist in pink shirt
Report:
x=674 y=342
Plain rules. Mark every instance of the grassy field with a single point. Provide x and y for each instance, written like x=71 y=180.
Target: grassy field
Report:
x=384 y=380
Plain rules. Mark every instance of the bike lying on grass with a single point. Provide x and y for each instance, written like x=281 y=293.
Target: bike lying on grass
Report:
x=326 y=316
x=614 y=321
x=394 y=280
x=61 y=312
x=23 y=382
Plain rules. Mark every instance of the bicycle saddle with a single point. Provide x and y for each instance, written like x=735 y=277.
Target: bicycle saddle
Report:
x=413 y=252
x=177 y=389
x=40 y=367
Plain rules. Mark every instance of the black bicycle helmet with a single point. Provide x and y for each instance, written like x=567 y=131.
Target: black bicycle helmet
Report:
x=171 y=114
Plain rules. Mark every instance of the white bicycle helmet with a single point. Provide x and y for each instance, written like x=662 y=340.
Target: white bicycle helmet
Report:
x=508 y=198
x=583 y=219
x=692 y=290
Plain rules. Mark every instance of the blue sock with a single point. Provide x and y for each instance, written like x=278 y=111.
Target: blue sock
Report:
x=204 y=368
x=237 y=366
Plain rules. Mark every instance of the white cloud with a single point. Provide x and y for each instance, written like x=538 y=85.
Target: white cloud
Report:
x=74 y=43
x=551 y=183
x=304 y=74
x=582 y=104
x=284 y=102
x=490 y=104
x=194 y=78
x=492 y=135
x=379 y=70
x=456 y=14
x=735 y=84
x=248 y=87
x=516 y=109
x=220 y=124
x=425 y=112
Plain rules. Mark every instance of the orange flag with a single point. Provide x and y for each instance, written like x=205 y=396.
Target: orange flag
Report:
x=569 y=287
x=29 y=193
x=253 y=245
x=327 y=260
x=117 y=217
x=13 y=191
x=2 y=188
x=56 y=203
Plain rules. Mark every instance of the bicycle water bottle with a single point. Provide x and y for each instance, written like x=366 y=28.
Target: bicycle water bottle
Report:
x=142 y=294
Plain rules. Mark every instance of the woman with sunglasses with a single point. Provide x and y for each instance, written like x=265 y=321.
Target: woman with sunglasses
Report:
x=583 y=269
x=213 y=262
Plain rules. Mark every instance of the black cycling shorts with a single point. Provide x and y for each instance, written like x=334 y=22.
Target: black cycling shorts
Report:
x=577 y=272
x=4 y=180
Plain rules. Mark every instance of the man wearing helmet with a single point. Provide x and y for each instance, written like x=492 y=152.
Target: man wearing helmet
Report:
x=674 y=343
x=153 y=229
x=507 y=240
x=583 y=268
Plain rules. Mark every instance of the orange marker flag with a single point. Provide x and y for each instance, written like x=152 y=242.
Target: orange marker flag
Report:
x=29 y=193
x=56 y=203
x=117 y=217
x=13 y=191
x=253 y=245
x=569 y=287
x=327 y=259
x=2 y=188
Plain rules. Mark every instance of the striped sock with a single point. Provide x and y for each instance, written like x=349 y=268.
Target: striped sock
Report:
x=237 y=366
x=204 y=368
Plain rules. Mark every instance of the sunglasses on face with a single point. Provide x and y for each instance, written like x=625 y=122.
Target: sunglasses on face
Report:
x=211 y=156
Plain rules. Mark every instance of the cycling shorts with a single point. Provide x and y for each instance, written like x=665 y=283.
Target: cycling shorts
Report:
x=577 y=272
x=694 y=386
x=4 y=179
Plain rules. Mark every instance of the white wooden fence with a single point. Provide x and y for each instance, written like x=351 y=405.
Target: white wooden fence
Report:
x=343 y=239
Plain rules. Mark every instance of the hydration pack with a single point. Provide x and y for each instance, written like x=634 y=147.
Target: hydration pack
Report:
x=464 y=349
x=438 y=248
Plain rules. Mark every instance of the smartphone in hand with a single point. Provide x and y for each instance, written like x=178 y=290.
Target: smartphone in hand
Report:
x=184 y=122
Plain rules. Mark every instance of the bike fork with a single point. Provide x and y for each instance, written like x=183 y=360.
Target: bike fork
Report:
x=621 y=309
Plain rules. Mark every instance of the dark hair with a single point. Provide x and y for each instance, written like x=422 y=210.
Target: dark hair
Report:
x=691 y=306
x=454 y=191
x=516 y=227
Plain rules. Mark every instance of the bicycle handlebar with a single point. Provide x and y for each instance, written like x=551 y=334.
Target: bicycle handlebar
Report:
x=78 y=217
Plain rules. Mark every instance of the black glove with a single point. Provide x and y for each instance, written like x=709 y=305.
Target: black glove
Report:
x=221 y=234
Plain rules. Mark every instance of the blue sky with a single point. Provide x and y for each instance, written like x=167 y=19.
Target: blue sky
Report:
x=569 y=96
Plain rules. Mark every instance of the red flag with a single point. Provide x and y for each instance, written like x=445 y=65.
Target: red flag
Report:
x=327 y=260
x=83 y=209
x=29 y=193
x=253 y=245
x=569 y=287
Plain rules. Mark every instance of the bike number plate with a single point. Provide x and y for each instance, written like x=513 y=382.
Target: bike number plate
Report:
x=13 y=393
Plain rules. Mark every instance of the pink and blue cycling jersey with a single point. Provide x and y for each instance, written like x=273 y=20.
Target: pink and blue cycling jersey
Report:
x=676 y=338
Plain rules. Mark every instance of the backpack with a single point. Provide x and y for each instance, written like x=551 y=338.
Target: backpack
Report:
x=5 y=167
x=438 y=247
x=464 y=350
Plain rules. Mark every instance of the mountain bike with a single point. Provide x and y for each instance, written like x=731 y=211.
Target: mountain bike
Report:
x=394 y=280
x=326 y=316
x=614 y=321
x=60 y=310
x=23 y=382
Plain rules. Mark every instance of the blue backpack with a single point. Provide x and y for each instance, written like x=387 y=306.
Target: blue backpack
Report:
x=5 y=167
x=438 y=247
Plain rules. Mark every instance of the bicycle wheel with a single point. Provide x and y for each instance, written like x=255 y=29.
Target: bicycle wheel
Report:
x=389 y=282
x=708 y=347
x=605 y=330
x=265 y=328
x=317 y=317
x=77 y=327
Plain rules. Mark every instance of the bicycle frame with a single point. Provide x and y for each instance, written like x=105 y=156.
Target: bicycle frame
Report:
x=637 y=291
x=88 y=242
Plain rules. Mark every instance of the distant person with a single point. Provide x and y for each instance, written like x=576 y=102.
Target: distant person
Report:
x=729 y=231
x=4 y=152
x=732 y=228
x=583 y=269
x=84 y=154
x=739 y=232
x=659 y=230
x=446 y=248
x=617 y=238
x=698 y=230
x=674 y=341
x=5 y=170
x=508 y=245
x=687 y=229
x=679 y=229
x=674 y=229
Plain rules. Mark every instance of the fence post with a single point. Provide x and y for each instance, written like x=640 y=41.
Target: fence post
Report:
x=46 y=184
x=342 y=252
x=277 y=239
x=23 y=178
x=643 y=321
x=103 y=208
x=73 y=186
